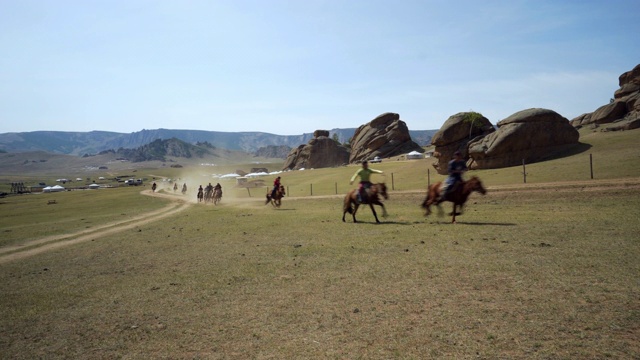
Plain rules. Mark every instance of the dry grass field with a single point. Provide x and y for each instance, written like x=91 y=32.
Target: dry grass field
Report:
x=543 y=270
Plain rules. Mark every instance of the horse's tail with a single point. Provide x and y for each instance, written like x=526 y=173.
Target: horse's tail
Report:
x=426 y=199
x=268 y=199
x=431 y=195
x=347 y=204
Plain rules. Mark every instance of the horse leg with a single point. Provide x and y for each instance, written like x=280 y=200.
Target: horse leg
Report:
x=453 y=221
x=346 y=207
x=355 y=209
x=384 y=209
x=374 y=212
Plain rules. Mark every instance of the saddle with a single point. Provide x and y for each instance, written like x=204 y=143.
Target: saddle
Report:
x=363 y=195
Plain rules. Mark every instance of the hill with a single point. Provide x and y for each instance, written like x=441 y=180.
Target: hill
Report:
x=94 y=142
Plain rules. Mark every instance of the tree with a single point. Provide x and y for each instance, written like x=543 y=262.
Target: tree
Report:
x=336 y=138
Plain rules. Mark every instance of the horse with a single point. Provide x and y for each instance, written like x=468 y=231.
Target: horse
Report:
x=208 y=194
x=373 y=193
x=276 y=199
x=154 y=187
x=458 y=196
x=184 y=189
x=175 y=187
x=217 y=196
x=200 y=195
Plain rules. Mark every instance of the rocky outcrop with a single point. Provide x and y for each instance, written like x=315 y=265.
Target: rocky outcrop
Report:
x=384 y=136
x=319 y=152
x=455 y=134
x=623 y=113
x=532 y=135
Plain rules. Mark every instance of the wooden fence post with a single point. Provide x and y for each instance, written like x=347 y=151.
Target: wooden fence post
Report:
x=524 y=171
x=591 y=165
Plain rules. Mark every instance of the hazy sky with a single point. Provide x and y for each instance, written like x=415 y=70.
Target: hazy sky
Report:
x=291 y=67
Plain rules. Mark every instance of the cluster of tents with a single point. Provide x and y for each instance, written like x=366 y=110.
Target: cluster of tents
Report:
x=55 y=188
x=58 y=188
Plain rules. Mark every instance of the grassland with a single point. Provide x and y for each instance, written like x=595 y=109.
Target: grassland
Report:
x=547 y=270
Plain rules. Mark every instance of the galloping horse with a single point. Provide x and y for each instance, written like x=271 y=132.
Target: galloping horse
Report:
x=372 y=199
x=184 y=188
x=200 y=195
x=457 y=196
x=175 y=187
x=217 y=195
x=276 y=199
x=208 y=194
x=154 y=187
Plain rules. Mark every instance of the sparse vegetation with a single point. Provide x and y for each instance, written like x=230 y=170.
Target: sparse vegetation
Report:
x=546 y=269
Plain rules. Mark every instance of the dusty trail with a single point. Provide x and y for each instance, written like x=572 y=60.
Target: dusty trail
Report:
x=180 y=204
x=53 y=242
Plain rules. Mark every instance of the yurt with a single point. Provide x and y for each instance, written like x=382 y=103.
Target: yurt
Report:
x=413 y=155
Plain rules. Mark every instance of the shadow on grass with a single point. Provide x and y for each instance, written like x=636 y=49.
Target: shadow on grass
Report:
x=472 y=223
x=382 y=222
x=565 y=151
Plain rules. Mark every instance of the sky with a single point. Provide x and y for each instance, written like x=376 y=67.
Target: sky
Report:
x=293 y=67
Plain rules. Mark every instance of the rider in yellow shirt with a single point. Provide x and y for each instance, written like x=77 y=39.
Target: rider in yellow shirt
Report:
x=365 y=174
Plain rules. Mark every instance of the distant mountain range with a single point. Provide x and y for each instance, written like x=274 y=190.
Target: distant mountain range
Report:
x=94 y=142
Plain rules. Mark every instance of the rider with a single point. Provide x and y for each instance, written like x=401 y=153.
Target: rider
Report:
x=276 y=186
x=364 y=174
x=457 y=166
x=218 y=187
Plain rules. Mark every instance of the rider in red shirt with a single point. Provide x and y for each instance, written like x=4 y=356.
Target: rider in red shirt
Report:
x=276 y=186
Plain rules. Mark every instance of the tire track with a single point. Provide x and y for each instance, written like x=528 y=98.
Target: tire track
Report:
x=53 y=242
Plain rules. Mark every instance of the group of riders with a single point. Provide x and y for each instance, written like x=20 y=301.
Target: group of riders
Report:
x=210 y=193
x=456 y=167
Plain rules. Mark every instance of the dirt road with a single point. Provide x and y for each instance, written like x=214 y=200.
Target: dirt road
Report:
x=49 y=243
x=179 y=204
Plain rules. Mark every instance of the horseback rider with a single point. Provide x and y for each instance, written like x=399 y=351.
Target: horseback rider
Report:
x=218 y=187
x=364 y=173
x=456 y=167
x=276 y=186
x=184 y=188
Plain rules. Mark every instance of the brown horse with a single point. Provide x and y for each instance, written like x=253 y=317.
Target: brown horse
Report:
x=200 y=195
x=373 y=198
x=276 y=199
x=458 y=196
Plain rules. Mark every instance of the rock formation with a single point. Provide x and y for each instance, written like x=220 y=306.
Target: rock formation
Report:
x=623 y=113
x=455 y=134
x=532 y=135
x=319 y=152
x=384 y=136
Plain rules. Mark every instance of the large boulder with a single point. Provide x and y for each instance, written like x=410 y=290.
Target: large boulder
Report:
x=623 y=113
x=455 y=134
x=319 y=152
x=384 y=136
x=530 y=135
